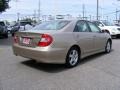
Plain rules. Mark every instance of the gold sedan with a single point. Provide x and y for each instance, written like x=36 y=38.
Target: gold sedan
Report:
x=61 y=41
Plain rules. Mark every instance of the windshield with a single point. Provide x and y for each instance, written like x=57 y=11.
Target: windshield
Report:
x=51 y=25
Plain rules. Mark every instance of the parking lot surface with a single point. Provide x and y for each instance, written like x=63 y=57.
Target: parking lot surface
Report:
x=97 y=72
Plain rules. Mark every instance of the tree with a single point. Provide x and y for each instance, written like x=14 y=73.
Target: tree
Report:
x=4 y=5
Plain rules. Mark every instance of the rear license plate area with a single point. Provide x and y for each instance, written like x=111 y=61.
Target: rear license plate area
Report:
x=26 y=41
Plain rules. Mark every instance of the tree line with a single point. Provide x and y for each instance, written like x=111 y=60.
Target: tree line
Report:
x=4 y=4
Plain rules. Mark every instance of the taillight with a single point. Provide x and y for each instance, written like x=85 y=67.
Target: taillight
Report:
x=15 y=39
x=46 y=40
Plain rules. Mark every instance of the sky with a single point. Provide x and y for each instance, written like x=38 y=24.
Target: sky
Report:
x=55 y=7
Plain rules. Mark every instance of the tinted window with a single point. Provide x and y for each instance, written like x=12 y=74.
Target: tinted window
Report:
x=51 y=25
x=93 y=27
x=24 y=23
x=98 y=23
x=81 y=26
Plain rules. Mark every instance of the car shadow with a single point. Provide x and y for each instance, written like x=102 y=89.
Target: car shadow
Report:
x=50 y=68
x=5 y=41
x=56 y=68
x=93 y=57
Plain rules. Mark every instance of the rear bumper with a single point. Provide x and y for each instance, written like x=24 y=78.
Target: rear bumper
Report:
x=45 y=55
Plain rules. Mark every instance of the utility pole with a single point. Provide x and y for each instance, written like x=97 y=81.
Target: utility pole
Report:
x=83 y=7
x=116 y=14
x=90 y=17
x=39 y=14
x=34 y=15
x=93 y=17
x=17 y=13
x=18 y=17
x=119 y=18
x=107 y=18
x=97 y=17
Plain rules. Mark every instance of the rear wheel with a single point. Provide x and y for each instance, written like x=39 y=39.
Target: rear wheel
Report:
x=108 y=46
x=73 y=57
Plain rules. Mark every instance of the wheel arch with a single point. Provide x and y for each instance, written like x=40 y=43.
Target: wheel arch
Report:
x=67 y=60
x=110 y=40
x=79 y=49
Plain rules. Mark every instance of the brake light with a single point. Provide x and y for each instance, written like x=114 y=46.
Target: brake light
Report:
x=15 y=39
x=46 y=40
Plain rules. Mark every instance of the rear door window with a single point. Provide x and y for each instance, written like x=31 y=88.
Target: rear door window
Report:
x=81 y=26
x=93 y=27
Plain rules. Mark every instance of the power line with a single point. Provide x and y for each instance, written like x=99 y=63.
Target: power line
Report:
x=112 y=12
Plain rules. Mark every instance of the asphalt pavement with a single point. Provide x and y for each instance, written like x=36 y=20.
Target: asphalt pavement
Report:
x=97 y=72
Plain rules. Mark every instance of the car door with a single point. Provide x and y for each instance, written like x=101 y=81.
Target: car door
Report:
x=99 y=37
x=84 y=37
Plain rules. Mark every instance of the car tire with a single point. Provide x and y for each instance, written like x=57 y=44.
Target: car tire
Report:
x=73 y=57
x=6 y=35
x=108 y=47
x=12 y=34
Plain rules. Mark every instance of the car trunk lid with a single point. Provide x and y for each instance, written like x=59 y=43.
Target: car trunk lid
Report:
x=30 y=38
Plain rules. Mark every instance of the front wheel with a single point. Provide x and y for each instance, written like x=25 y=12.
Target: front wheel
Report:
x=73 y=57
x=108 y=47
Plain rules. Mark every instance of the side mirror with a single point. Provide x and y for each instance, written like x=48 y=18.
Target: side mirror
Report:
x=105 y=31
x=100 y=25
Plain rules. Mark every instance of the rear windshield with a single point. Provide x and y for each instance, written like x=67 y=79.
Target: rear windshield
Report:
x=51 y=25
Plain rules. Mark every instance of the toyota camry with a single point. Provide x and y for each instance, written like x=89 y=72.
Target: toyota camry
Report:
x=61 y=41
